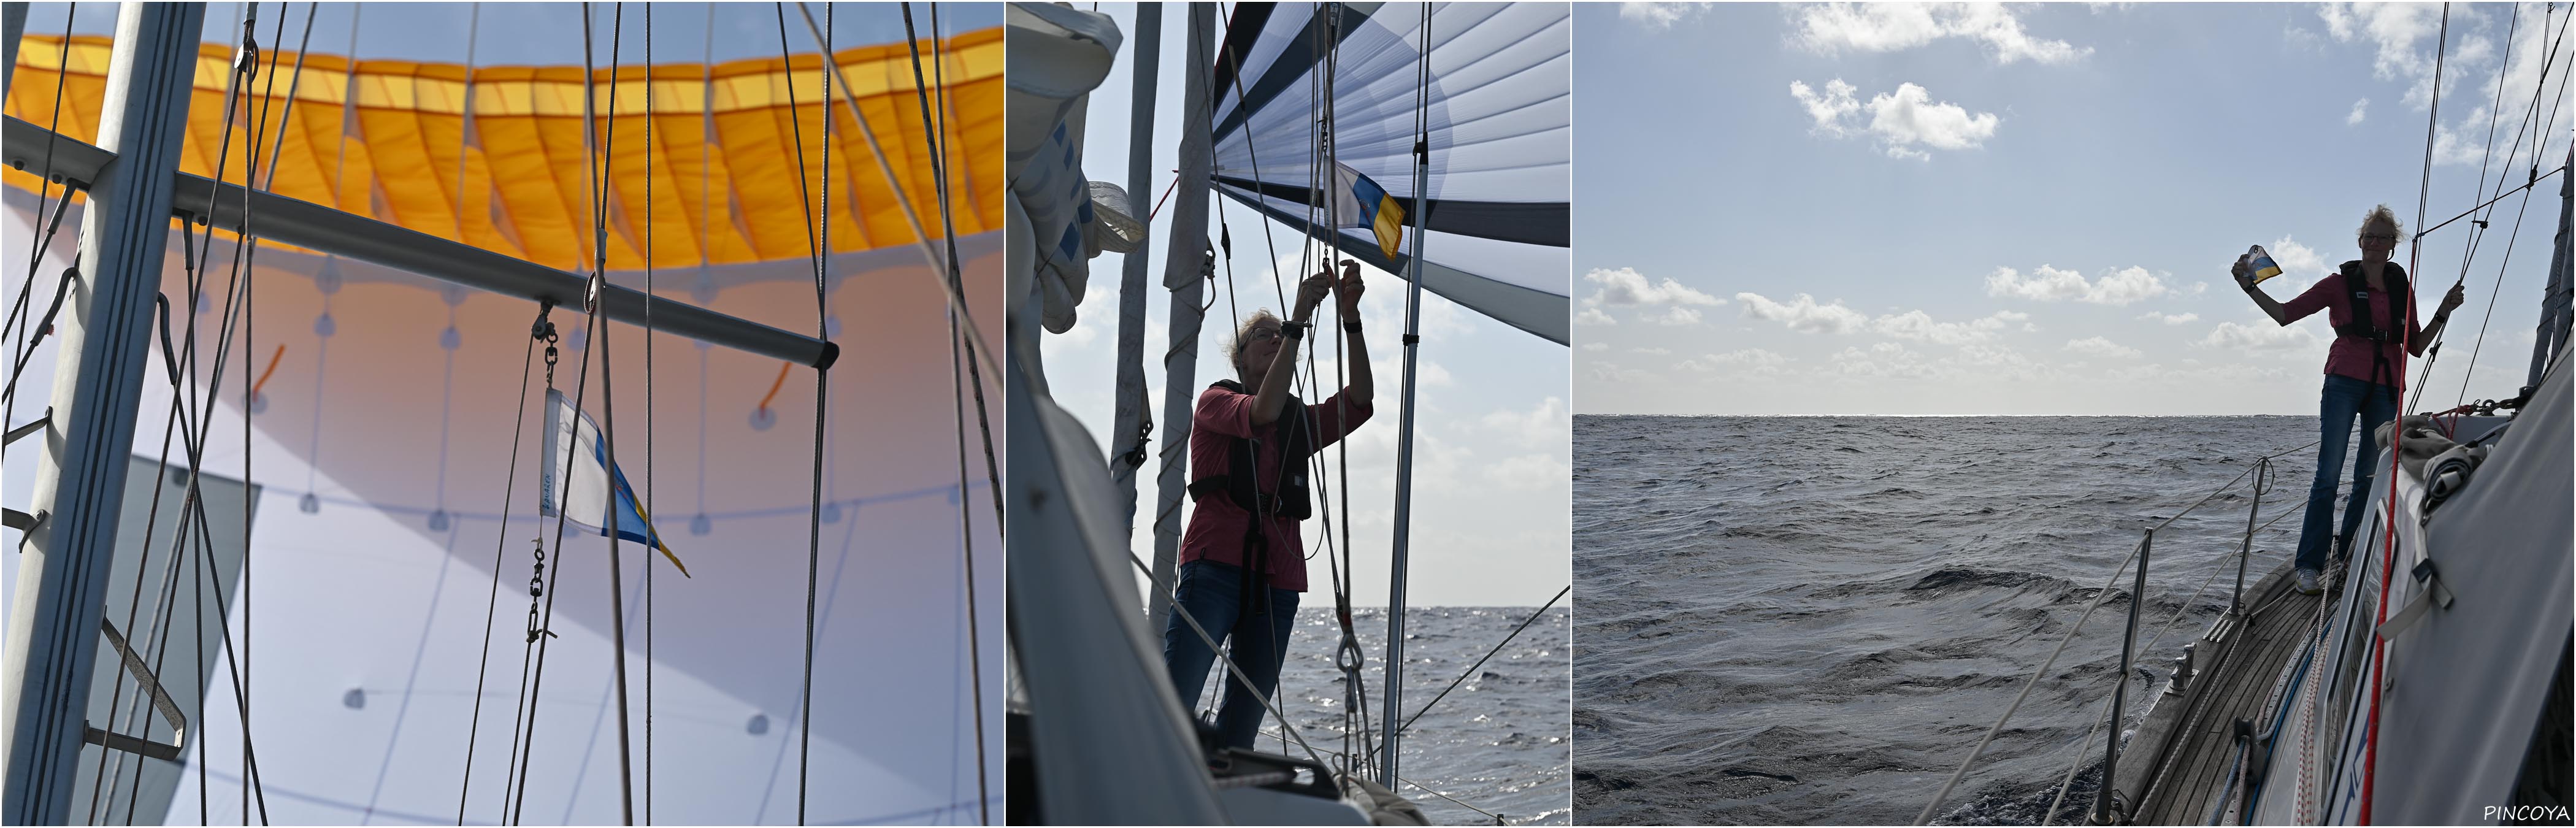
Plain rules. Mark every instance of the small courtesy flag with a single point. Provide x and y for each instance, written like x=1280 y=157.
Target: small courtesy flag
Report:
x=578 y=481
x=1365 y=204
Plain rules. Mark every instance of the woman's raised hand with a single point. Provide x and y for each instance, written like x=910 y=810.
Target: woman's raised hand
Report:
x=1311 y=292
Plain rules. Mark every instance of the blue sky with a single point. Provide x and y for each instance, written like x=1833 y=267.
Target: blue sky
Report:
x=1908 y=209
x=547 y=33
x=1492 y=440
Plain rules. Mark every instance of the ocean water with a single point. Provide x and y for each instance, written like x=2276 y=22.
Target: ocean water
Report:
x=1498 y=744
x=1813 y=619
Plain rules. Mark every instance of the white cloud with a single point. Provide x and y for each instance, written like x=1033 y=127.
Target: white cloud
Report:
x=2170 y=319
x=1625 y=287
x=2360 y=110
x=2257 y=337
x=1917 y=325
x=1652 y=351
x=2297 y=259
x=2049 y=284
x=1596 y=346
x=1903 y=122
x=1802 y=314
x=2394 y=30
x=1660 y=15
x=1889 y=27
x=1829 y=109
x=1675 y=315
x=2403 y=39
x=2098 y=346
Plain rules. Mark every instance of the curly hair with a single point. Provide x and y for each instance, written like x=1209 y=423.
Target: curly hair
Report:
x=2380 y=214
x=1234 y=347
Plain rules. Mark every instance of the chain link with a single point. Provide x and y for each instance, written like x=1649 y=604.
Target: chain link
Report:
x=544 y=331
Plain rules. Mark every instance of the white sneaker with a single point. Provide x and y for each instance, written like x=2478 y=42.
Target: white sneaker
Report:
x=2308 y=581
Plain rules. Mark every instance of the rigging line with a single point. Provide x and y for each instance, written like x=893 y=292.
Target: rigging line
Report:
x=1236 y=672
x=965 y=513
x=2492 y=294
x=822 y=397
x=509 y=484
x=542 y=637
x=1934 y=806
x=815 y=251
x=650 y=251
x=36 y=246
x=1489 y=654
x=605 y=148
x=259 y=136
x=465 y=123
x=250 y=758
x=1255 y=157
x=134 y=600
x=2082 y=752
x=2519 y=212
x=247 y=64
x=2478 y=235
x=911 y=216
x=2397 y=437
x=974 y=367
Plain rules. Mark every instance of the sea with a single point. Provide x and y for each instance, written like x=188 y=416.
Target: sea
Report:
x=1811 y=620
x=1496 y=748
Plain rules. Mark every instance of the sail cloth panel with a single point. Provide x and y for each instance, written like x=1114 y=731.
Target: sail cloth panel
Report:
x=387 y=142
x=1499 y=187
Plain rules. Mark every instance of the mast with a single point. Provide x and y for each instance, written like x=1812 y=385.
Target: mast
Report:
x=1390 y=749
x=98 y=385
x=1127 y=429
x=2554 y=310
x=13 y=25
x=1182 y=276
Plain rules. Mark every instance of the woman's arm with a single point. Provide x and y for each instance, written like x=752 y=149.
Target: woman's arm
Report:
x=2271 y=308
x=1363 y=388
x=2441 y=318
x=1273 y=394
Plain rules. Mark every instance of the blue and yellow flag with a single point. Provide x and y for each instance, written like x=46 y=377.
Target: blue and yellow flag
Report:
x=2260 y=261
x=579 y=477
x=1365 y=204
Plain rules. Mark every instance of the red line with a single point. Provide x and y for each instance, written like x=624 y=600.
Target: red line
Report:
x=272 y=369
x=774 y=386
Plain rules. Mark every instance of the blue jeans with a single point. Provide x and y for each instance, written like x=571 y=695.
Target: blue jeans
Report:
x=2344 y=399
x=1213 y=594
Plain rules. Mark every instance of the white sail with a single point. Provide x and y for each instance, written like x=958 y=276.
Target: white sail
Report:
x=1500 y=111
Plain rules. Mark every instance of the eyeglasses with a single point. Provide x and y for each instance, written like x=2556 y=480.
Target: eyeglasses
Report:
x=2378 y=237
x=1261 y=334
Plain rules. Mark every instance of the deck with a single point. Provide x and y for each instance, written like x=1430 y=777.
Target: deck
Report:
x=2177 y=768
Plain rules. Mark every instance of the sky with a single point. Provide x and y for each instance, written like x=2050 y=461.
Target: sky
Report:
x=543 y=33
x=2031 y=209
x=1492 y=441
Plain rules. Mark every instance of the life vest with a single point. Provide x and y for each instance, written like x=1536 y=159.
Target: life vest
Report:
x=1239 y=480
x=2360 y=324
